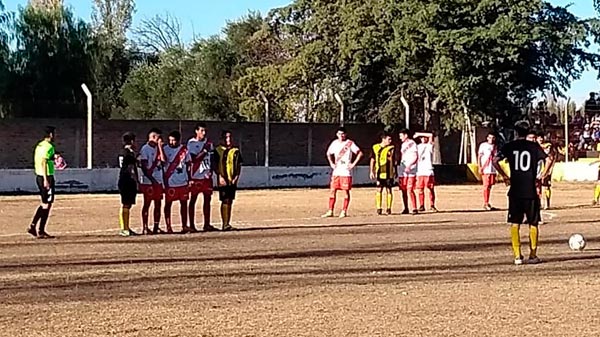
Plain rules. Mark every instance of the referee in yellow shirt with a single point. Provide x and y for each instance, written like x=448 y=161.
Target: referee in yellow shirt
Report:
x=44 y=171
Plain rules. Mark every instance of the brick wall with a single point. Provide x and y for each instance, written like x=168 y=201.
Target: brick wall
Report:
x=290 y=144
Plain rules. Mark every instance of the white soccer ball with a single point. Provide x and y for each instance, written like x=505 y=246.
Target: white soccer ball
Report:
x=577 y=242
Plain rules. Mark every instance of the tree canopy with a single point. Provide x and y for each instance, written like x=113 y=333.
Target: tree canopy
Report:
x=485 y=59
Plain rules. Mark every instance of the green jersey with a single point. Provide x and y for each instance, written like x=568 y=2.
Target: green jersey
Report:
x=44 y=151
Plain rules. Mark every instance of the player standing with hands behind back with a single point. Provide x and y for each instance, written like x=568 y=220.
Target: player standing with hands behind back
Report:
x=523 y=157
x=229 y=168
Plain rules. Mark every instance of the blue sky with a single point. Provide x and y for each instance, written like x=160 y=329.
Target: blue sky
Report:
x=207 y=17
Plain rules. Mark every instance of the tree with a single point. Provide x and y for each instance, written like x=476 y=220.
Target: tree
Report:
x=111 y=20
x=53 y=57
x=158 y=34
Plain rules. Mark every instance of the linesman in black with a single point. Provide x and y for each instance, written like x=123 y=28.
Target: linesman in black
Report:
x=524 y=158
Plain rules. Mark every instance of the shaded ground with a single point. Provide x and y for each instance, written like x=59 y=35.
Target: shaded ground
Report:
x=288 y=272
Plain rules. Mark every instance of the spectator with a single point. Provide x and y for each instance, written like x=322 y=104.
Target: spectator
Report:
x=585 y=138
x=596 y=134
x=59 y=162
x=578 y=120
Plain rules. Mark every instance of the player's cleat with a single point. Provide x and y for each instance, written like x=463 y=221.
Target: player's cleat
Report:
x=405 y=211
x=228 y=228
x=422 y=209
x=44 y=235
x=489 y=207
x=434 y=210
x=534 y=260
x=415 y=212
x=193 y=229
x=146 y=231
x=388 y=211
x=132 y=233
x=169 y=231
x=343 y=214
x=184 y=230
x=518 y=262
x=594 y=203
x=379 y=211
x=209 y=228
x=329 y=214
x=124 y=233
x=31 y=230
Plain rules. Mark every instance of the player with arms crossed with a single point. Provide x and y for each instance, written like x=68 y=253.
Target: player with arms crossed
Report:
x=177 y=180
x=128 y=182
x=383 y=171
x=546 y=183
x=151 y=184
x=228 y=161
x=44 y=178
x=485 y=157
x=408 y=171
x=201 y=151
x=523 y=157
x=339 y=155
x=425 y=174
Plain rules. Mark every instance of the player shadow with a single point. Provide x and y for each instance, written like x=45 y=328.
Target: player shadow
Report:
x=561 y=208
x=332 y=226
x=460 y=211
x=586 y=257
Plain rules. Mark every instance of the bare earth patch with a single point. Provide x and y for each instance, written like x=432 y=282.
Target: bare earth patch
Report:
x=288 y=272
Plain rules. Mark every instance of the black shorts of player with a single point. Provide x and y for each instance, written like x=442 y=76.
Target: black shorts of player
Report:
x=128 y=191
x=227 y=192
x=387 y=183
x=47 y=195
x=520 y=209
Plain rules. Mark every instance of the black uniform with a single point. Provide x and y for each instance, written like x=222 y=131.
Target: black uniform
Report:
x=127 y=179
x=524 y=158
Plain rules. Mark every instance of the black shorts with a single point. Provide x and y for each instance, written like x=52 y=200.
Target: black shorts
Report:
x=519 y=209
x=46 y=194
x=387 y=183
x=128 y=191
x=227 y=192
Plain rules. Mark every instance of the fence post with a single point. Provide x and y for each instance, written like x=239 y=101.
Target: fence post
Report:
x=309 y=144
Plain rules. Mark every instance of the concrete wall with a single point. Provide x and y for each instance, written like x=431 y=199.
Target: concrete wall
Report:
x=105 y=180
x=292 y=144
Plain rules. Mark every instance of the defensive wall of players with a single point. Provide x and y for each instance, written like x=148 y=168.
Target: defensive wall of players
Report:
x=105 y=179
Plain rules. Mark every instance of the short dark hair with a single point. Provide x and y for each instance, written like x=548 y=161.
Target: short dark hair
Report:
x=540 y=133
x=522 y=129
x=49 y=130
x=405 y=131
x=342 y=129
x=175 y=134
x=385 y=134
x=128 y=137
x=154 y=130
x=200 y=125
x=224 y=133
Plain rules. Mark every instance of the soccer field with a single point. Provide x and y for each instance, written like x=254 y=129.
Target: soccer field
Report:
x=288 y=272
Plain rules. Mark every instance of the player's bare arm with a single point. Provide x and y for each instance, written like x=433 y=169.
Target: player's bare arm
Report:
x=147 y=172
x=372 y=169
x=330 y=160
x=359 y=156
x=496 y=163
x=45 y=168
x=548 y=162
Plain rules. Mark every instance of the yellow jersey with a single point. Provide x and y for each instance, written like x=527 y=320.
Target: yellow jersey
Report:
x=228 y=162
x=384 y=161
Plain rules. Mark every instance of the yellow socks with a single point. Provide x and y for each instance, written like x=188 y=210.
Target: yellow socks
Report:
x=225 y=213
x=597 y=193
x=516 y=240
x=378 y=200
x=124 y=218
x=390 y=199
x=533 y=241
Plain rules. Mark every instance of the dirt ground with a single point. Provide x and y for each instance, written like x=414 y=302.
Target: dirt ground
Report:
x=287 y=272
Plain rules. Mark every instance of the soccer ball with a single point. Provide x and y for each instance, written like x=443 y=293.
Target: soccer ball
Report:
x=577 y=242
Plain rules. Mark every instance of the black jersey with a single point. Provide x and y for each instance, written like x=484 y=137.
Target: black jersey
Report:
x=126 y=160
x=524 y=158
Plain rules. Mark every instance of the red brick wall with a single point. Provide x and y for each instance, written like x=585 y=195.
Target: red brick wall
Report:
x=288 y=142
